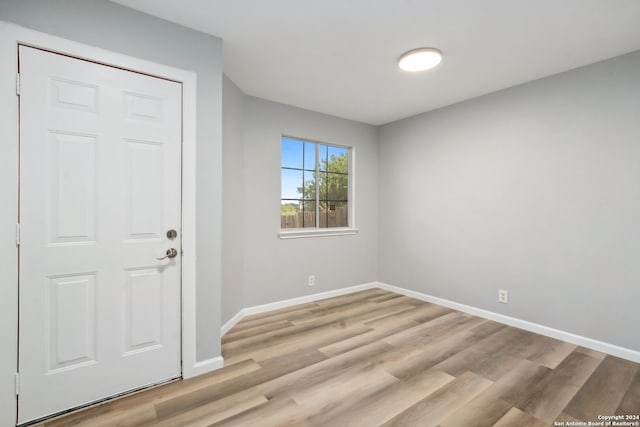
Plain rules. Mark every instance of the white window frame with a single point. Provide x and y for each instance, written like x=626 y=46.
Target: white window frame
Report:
x=297 y=233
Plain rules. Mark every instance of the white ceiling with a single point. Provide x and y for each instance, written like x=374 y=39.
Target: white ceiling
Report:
x=339 y=56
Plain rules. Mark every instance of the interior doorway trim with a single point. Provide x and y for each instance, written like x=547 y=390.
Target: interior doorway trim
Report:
x=11 y=36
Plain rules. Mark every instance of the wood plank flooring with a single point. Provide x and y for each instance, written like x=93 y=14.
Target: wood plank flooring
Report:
x=376 y=358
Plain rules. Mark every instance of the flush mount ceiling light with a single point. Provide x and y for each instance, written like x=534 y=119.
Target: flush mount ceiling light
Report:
x=420 y=59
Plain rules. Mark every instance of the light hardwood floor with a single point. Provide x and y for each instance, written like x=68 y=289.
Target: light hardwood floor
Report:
x=378 y=358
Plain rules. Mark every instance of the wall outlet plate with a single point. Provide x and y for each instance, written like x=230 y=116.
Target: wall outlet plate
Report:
x=503 y=296
x=312 y=280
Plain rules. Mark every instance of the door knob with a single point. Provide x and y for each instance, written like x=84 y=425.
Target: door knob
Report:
x=171 y=253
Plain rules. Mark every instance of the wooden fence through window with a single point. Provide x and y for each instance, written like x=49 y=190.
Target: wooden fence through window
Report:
x=334 y=218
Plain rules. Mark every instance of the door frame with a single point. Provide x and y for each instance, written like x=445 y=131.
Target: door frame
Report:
x=12 y=35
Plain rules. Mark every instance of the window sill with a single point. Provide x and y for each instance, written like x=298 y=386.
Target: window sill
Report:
x=315 y=232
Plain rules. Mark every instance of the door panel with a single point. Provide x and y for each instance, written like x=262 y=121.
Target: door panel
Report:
x=71 y=324
x=72 y=188
x=144 y=184
x=143 y=310
x=100 y=155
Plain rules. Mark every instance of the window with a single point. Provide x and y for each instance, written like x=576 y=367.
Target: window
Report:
x=315 y=185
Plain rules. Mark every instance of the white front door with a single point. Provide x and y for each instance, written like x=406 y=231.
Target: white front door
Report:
x=100 y=187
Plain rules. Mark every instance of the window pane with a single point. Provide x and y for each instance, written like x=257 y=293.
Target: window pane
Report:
x=290 y=214
x=291 y=184
x=337 y=186
x=309 y=186
x=291 y=153
x=334 y=214
x=310 y=156
x=323 y=186
x=308 y=215
x=337 y=159
x=322 y=153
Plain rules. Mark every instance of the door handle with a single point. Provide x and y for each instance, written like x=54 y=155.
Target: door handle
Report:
x=171 y=253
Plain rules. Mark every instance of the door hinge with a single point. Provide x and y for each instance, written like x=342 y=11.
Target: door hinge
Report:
x=18 y=234
x=17 y=383
x=18 y=84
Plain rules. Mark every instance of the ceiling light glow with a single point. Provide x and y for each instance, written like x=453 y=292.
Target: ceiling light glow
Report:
x=420 y=59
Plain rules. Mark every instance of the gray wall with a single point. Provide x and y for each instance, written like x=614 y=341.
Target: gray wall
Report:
x=259 y=267
x=104 y=24
x=534 y=189
x=232 y=199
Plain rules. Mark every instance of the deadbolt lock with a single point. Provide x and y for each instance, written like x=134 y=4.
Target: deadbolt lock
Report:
x=172 y=234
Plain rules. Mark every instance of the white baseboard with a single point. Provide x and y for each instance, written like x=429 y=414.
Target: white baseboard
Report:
x=293 y=301
x=232 y=322
x=601 y=346
x=203 y=367
x=569 y=337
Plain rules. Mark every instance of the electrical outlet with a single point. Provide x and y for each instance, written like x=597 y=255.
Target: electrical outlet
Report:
x=312 y=280
x=503 y=296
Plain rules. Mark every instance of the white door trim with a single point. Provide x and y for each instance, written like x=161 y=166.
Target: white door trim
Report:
x=10 y=36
